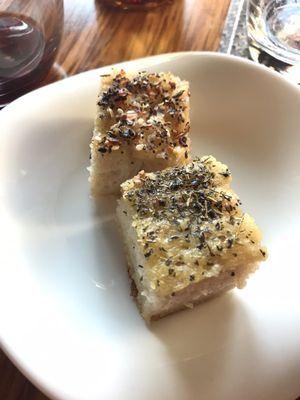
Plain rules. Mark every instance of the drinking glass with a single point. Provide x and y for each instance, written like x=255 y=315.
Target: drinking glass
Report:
x=274 y=26
x=30 y=34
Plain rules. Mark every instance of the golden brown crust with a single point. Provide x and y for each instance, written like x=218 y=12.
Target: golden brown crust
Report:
x=149 y=111
x=189 y=225
x=142 y=122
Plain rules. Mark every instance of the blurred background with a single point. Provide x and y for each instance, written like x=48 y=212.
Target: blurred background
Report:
x=105 y=36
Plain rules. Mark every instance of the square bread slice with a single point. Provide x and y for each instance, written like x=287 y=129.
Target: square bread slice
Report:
x=142 y=122
x=186 y=236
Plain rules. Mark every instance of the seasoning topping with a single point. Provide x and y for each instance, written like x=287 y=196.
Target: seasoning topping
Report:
x=195 y=218
x=153 y=107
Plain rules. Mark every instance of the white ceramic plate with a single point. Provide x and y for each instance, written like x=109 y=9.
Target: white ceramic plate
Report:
x=66 y=318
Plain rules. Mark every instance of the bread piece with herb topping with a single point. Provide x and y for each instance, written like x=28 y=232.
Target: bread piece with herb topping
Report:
x=186 y=236
x=142 y=123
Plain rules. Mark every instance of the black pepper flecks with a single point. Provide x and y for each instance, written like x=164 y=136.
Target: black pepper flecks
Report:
x=201 y=217
x=262 y=252
x=137 y=108
x=187 y=193
x=148 y=253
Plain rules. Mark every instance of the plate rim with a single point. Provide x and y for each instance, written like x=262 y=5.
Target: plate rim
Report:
x=159 y=57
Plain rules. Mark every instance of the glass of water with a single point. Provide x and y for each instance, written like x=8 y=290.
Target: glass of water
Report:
x=274 y=26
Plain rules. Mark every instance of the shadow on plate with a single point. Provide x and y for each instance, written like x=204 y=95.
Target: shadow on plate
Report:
x=218 y=349
x=204 y=345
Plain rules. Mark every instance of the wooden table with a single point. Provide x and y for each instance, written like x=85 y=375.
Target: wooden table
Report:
x=95 y=36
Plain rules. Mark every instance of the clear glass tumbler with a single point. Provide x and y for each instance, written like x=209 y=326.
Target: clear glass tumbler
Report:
x=274 y=26
x=30 y=34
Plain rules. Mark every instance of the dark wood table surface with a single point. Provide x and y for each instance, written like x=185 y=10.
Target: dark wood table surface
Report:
x=95 y=36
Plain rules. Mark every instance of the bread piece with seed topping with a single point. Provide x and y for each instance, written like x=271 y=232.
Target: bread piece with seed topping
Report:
x=186 y=236
x=142 y=123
